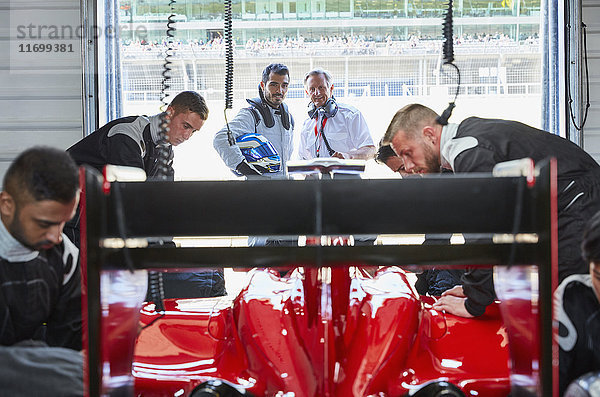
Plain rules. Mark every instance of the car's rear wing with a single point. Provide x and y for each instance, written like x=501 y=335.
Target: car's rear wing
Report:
x=518 y=213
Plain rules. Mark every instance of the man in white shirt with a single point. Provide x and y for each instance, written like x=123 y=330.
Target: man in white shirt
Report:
x=332 y=129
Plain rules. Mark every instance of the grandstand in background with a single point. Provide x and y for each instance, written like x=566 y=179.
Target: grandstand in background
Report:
x=373 y=20
x=383 y=54
x=503 y=72
x=374 y=48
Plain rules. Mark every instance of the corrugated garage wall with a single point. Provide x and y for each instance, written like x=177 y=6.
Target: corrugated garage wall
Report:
x=591 y=136
x=40 y=94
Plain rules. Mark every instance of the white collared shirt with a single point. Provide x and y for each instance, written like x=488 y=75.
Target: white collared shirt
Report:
x=345 y=132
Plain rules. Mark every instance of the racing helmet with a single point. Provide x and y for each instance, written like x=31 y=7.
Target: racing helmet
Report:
x=259 y=152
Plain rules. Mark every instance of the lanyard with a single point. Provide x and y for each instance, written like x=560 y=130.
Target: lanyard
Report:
x=319 y=134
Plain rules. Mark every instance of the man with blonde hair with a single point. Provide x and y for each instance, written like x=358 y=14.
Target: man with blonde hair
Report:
x=477 y=145
x=135 y=141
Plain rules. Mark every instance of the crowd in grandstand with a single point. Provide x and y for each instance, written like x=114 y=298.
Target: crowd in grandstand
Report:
x=338 y=45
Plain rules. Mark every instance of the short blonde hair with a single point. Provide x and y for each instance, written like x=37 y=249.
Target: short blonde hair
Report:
x=410 y=119
x=190 y=101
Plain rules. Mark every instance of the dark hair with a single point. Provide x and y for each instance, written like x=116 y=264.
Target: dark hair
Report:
x=190 y=101
x=42 y=173
x=277 y=68
x=590 y=246
x=384 y=153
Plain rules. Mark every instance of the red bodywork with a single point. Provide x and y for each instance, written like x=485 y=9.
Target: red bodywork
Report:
x=320 y=332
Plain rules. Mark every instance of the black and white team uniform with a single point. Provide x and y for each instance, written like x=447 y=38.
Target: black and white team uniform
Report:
x=578 y=313
x=133 y=141
x=37 y=288
x=40 y=319
x=129 y=141
x=477 y=145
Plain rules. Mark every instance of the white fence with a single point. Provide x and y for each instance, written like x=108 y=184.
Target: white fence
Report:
x=501 y=73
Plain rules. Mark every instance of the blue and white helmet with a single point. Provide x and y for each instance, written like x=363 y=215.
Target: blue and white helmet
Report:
x=259 y=151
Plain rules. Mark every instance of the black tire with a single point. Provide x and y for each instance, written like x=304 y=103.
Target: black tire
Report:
x=437 y=389
x=219 y=388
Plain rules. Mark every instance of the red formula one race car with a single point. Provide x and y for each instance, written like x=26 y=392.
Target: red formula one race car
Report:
x=320 y=332
x=326 y=327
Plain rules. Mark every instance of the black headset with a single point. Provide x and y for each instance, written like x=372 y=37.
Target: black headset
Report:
x=329 y=109
x=262 y=106
x=443 y=118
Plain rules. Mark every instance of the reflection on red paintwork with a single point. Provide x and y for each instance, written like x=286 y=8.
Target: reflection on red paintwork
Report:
x=320 y=332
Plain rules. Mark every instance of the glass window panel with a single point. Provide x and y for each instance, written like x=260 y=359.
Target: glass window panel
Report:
x=332 y=6
x=377 y=67
x=530 y=7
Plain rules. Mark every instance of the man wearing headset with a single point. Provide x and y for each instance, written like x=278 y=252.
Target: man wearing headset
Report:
x=419 y=136
x=267 y=115
x=332 y=129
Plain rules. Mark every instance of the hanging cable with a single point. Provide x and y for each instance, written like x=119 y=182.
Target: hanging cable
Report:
x=155 y=282
x=156 y=293
x=447 y=33
x=587 y=78
x=163 y=132
x=448 y=53
x=228 y=33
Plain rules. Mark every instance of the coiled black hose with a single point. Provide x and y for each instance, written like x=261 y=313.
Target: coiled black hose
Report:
x=156 y=291
x=448 y=53
x=155 y=282
x=447 y=32
x=163 y=132
x=228 y=33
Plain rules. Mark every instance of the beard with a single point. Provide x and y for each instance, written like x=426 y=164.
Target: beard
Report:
x=17 y=231
x=273 y=100
x=432 y=160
